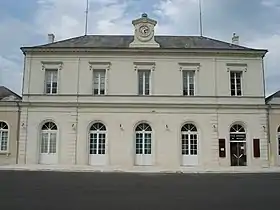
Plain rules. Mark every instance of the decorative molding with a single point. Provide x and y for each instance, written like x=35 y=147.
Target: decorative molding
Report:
x=189 y=66
x=52 y=65
x=237 y=67
x=144 y=66
x=100 y=65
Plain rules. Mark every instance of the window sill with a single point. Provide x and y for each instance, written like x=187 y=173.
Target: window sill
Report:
x=5 y=153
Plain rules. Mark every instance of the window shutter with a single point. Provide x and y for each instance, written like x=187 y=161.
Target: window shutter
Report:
x=222 y=148
x=256 y=144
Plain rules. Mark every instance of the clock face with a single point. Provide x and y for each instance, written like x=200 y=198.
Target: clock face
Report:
x=144 y=31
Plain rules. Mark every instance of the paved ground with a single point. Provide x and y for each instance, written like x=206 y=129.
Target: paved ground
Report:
x=79 y=191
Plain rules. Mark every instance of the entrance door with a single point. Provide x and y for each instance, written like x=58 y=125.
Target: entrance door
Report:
x=238 y=146
x=143 y=145
x=48 y=147
x=97 y=148
x=238 y=153
x=189 y=139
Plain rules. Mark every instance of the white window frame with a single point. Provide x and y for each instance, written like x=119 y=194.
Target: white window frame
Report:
x=52 y=75
x=189 y=133
x=188 y=78
x=144 y=66
x=98 y=132
x=239 y=68
x=193 y=67
x=143 y=141
x=235 y=82
x=98 y=66
x=99 y=81
x=49 y=132
x=52 y=66
x=144 y=82
x=2 y=130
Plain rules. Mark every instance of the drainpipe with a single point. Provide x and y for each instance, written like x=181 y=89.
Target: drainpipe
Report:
x=269 y=149
x=77 y=110
x=18 y=130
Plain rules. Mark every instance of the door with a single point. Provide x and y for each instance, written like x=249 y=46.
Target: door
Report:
x=238 y=153
x=143 y=148
x=48 y=151
x=97 y=153
x=189 y=149
x=189 y=142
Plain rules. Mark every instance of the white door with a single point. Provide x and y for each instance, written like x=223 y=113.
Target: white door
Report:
x=143 y=145
x=48 y=151
x=189 y=142
x=97 y=153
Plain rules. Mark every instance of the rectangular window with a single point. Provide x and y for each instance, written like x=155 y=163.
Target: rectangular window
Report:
x=235 y=83
x=144 y=77
x=51 y=81
x=99 y=82
x=3 y=141
x=188 y=83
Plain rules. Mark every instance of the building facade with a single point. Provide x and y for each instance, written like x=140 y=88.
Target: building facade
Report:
x=9 y=126
x=273 y=103
x=144 y=101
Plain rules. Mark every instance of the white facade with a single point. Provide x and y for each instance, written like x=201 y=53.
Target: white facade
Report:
x=82 y=98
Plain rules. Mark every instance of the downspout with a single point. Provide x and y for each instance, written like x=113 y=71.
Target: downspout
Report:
x=18 y=130
x=267 y=117
x=268 y=134
x=77 y=111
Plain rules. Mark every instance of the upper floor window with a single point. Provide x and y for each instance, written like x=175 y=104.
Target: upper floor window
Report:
x=235 y=83
x=188 y=83
x=99 y=82
x=51 y=81
x=4 y=133
x=144 y=82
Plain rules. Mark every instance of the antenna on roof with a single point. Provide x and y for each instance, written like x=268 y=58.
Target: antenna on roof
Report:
x=200 y=18
x=86 y=25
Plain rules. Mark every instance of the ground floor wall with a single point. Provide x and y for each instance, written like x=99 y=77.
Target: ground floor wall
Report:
x=73 y=135
x=274 y=127
x=9 y=115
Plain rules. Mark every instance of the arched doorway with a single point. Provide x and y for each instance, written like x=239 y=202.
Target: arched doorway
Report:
x=143 y=144
x=48 y=144
x=97 y=142
x=238 y=145
x=189 y=142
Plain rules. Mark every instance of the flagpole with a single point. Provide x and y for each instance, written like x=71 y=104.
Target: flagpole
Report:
x=200 y=18
x=86 y=24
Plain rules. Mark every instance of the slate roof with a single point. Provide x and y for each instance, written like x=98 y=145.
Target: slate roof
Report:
x=7 y=94
x=123 y=41
x=274 y=95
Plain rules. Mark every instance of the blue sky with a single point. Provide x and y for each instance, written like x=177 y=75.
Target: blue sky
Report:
x=27 y=22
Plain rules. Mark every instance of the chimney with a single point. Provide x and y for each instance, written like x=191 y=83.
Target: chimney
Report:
x=235 y=39
x=51 y=38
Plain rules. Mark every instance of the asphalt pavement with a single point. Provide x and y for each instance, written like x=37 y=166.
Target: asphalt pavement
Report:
x=67 y=190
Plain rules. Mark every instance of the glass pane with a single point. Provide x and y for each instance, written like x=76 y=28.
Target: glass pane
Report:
x=140 y=82
x=44 y=143
x=52 y=143
x=4 y=140
x=147 y=83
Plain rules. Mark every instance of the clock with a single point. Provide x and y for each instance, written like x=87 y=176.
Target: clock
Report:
x=144 y=31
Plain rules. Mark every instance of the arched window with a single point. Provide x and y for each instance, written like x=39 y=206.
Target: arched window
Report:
x=278 y=136
x=236 y=128
x=49 y=138
x=143 y=136
x=189 y=137
x=97 y=138
x=4 y=135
